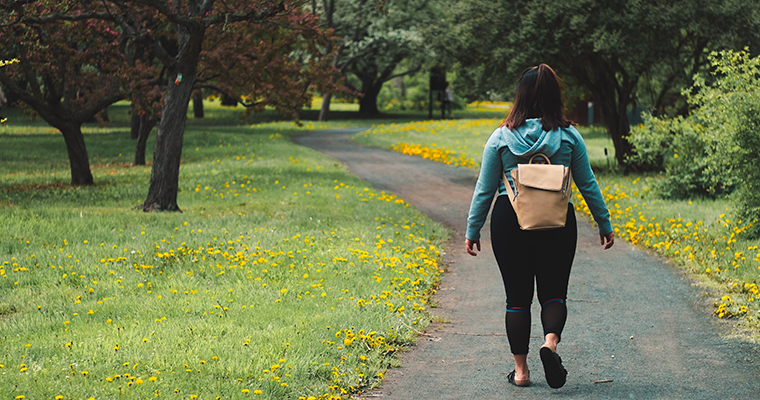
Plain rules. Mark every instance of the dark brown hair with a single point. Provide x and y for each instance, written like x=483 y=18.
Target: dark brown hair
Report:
x=539 y=95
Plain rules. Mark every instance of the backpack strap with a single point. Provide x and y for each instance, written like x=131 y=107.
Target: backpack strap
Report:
x=540 y=155
x=508 y=187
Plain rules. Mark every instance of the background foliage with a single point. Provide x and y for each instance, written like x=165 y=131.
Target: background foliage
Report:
x=713 y=151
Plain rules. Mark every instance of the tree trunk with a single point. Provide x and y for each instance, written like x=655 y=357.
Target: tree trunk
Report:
x=135 y=124
x=368 y=101
x=612 y=97
x=623 y=148
x=616 y=120
x=324 y=112
x=146 y=125
x=164 y=178
x=78 y=158
x=198 y=104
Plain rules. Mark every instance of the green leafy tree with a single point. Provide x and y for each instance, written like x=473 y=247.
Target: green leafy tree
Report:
x=374 y=38
x=608 y=46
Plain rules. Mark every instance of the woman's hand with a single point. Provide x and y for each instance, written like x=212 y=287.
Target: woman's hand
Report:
x=468 y=245
x=609 y=237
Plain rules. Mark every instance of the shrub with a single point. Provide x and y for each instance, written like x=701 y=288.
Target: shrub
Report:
x=682 y=149
x=730 y=106
x=714 y=149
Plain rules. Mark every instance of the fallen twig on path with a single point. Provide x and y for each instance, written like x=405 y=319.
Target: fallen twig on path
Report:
x=478 y=334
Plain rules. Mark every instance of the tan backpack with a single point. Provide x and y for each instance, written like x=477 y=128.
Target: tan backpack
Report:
x=541 y=194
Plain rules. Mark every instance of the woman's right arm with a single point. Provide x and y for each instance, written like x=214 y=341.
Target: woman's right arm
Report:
x=586 y=182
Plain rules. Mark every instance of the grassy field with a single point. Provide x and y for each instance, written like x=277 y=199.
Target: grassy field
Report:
x=698 y=234
x=283 y=277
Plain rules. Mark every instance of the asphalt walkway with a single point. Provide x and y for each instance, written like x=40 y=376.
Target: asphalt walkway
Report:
x=637 y=328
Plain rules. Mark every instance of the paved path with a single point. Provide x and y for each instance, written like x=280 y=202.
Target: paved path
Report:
x=633 y=319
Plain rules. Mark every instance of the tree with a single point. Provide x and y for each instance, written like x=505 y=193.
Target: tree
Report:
x=148 y=80
x=374 y=38
x=608 y=46
x=146 y=24
x=189 y=22
x=73 y=69
x=146 y=106
x=278 y=64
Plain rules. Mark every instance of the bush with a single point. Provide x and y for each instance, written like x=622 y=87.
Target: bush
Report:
x=682 y=149
x=714 y=149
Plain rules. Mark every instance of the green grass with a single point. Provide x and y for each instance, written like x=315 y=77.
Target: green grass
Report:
x=698 y=234
x=284 y=274
x=463 y=140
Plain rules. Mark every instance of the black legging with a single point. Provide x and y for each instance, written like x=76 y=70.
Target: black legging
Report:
x=522 y=255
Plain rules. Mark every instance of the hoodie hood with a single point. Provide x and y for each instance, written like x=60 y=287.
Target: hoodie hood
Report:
x=530 y=138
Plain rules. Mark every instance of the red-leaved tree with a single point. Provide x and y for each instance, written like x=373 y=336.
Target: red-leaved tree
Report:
x=260 y=52
x=189 y=24
x=68 y=71
x=279 y=63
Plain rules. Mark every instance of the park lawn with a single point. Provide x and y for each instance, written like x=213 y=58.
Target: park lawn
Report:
x=699 y=234
x=283 y=277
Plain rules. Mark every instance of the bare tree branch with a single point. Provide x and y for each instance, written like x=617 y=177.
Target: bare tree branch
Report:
x=56 y=17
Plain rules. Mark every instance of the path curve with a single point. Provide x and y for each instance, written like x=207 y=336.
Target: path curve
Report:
x=633 y=320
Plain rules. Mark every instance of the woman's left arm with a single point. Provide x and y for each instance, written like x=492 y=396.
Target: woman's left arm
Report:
x=488 y=183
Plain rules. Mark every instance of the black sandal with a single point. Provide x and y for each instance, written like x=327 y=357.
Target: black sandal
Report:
x=556 y=374
x=517 y=382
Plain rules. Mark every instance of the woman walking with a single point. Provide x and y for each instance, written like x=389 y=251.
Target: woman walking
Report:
x=536 y=124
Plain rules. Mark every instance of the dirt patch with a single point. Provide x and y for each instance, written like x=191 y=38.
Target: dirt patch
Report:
x=6 y=310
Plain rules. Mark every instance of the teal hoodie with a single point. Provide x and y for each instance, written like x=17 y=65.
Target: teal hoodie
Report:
x=506 y=148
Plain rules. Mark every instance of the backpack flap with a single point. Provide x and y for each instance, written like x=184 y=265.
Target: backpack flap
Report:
x=542 y=176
